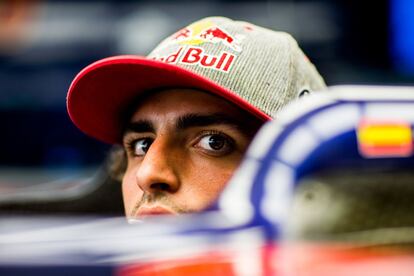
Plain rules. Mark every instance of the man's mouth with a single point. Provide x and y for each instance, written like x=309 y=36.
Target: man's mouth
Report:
x=146 y=211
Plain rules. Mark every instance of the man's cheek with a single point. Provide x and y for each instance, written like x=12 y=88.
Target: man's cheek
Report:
x=212 y=186
x=130 y=192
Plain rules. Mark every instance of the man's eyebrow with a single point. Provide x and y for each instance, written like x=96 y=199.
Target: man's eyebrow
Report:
x=139 y=126
x=191 y=120
x=197 y=120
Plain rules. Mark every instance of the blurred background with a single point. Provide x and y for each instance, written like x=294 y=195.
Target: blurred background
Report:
x=44 y=44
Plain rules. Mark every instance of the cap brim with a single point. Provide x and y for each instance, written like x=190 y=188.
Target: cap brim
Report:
x=100 y=94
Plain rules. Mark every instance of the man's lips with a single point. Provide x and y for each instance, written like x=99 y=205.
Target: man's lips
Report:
x=146 y=211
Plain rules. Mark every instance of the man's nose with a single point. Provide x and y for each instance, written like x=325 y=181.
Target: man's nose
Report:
x=157 y=171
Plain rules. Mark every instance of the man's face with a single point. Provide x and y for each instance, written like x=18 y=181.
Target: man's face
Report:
x=182 y=147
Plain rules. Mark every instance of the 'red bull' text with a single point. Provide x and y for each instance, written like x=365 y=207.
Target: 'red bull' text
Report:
x=198 y=56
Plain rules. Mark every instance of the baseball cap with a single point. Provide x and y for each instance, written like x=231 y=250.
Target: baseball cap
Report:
x=257 y=69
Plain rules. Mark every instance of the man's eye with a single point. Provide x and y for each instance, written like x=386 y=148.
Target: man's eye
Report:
x=217 y=143
x=141 y=146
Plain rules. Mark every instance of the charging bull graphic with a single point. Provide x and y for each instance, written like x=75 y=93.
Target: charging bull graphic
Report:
x=205 y=31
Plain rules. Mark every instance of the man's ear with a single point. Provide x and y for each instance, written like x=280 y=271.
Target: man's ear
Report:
x=117 y=163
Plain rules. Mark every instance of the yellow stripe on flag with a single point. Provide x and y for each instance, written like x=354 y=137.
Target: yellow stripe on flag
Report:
x=385 y=135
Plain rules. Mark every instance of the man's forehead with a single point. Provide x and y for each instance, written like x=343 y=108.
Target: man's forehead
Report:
x=171 y=104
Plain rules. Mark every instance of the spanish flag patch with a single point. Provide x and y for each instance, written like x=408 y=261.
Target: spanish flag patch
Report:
x=384 y=139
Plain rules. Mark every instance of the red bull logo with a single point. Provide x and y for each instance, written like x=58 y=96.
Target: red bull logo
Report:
x=206 y=31
x=182 y=34
x=217 y=35
x=190 y=51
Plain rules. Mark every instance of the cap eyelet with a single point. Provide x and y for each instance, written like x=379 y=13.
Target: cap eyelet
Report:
x=304 y=93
